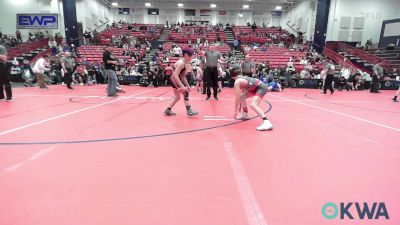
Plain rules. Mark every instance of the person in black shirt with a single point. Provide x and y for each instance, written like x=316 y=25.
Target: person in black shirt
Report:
x=342 y=84
x=5 y=75
x=109 y=69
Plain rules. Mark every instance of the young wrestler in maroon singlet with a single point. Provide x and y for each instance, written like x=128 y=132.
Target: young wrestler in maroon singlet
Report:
x=179 y=83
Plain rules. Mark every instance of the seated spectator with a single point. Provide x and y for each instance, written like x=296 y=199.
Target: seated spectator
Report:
x=343 y=84
x=27 y=74
x=177 y=51
x=80 y=74
x=345 y=72
x=303 y=61
x=304 y=74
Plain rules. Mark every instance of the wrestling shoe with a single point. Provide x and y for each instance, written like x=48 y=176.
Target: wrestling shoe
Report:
x=395 y=99
x=169 y=112
x=243 y=116
x=191 y=112
x=266 y=125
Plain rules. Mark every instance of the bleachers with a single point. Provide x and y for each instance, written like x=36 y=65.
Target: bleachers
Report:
x=246 y=35
x=277 y=57
x=364 y=58
x=223 y=49
x=393 y=56
x=94 y=53
x=193 y=32
x=29 y=50
x=151 y=32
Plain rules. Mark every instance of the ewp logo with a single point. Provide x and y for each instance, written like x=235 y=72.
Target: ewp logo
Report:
x=29 y=21
x=364 y=211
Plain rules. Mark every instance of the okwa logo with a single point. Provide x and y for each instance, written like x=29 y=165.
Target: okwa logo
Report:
x=353 y=209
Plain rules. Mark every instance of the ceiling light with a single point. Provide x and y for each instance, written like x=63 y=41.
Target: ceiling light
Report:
x=240 y=15
x=245 y=6
x=148 y=4
x=278 y=7
x=114 y=4
x=213 y=5
x=180 y=4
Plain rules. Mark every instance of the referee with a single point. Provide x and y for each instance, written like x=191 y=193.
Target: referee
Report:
x=330 y=70
x=377 y=73
x=248 y=67
x=211 y=73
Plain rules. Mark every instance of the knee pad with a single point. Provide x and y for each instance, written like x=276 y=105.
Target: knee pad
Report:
x=186 y=96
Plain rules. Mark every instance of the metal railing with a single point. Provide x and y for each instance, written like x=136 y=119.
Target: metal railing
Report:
x=339 y=59
x=371 y=58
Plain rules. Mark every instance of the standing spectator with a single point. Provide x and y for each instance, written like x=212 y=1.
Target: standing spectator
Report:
x=248 y=67
x=53 y=46
x=110 y=63
x=67 y=64
x=236 y=44
x=42 y=65
x=254 y=27
x=87 y=38
x=5 y=75
x=19 y=36
x=211 y=73
x=168 y=73
x=377 y=74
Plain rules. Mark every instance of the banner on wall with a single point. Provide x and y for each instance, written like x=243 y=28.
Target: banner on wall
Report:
x=205 y=12
x=276 y=13
x=222 y=13
x=37 y=21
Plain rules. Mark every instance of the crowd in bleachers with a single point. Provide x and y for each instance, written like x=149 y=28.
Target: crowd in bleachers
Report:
x=196 y=34
x=14 y=40
x=272 y=53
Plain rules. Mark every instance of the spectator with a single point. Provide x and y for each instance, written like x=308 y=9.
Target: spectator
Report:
x=53 y=46
x=254 y=27
x=345 y=72
x=41 y=66
x=19 y=36
x=27 y=74
x=110 y=62
x=343 y=84
x=5 y=76
x=303 y=61
x=177 y=51
x=87 y=37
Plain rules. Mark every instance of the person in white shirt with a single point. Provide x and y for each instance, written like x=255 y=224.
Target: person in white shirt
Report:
x=345 y=72
x=177 y=51
x=303 y=61
x=42 y=65
x=309 y=67
x=303 y=74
